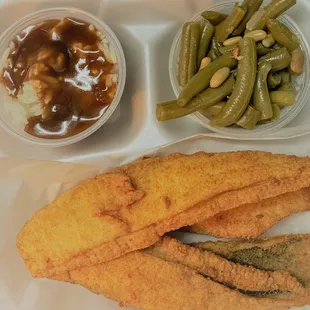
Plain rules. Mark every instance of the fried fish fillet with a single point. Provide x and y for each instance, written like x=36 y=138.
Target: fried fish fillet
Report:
x=131 y=207
x=289 y=253
x=244 y=278
x=252 y=220
x=148 y=282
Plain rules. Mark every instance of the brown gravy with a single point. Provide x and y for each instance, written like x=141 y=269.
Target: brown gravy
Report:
x=67 y=67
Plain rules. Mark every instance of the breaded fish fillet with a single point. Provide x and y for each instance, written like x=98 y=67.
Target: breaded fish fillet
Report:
x=144 y=281
x=252 y=220
x=132 y=207
x=244 y=278
x=290 y=253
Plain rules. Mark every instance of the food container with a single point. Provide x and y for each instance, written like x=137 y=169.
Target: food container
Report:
x=302 y=83
x=59 y=13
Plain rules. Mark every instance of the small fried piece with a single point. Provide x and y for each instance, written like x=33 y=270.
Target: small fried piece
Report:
x=144 y=281
x=250 y=221
x=219 y=269
x=290 y=253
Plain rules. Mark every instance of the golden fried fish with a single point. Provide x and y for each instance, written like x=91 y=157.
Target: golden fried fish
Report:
x=131 y=207
x=252 y=220
x=289 y=253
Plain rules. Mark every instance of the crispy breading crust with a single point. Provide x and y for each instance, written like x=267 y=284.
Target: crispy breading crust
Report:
x=219 y=269
x=131 y=208
x=290 y=253
x=252 y=220
x=144 y=281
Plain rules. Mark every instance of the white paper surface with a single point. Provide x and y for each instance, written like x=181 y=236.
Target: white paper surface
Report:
x=26 y=186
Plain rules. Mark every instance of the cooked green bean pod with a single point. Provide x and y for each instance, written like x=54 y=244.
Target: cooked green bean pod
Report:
x=250 y=118
x=242 y=93
x=201 y=80
x=213 y=110
x=276 y=112
x=209 y=97
x=285 y=95
x=283 y=98
x=273 y=10
x=252 y=6
x=215 y=49
x=288 y=86
x=235 y=73
x=226 y=28
x=276 y=46
x=184 y=55
x=274 y=80
x=205 y=40
x=279 y=59
x=194 y=46
x=261 y=98
x=227 y=49
x=262 y=50
x=214 y=18
x=285 y=77
x=283 y=35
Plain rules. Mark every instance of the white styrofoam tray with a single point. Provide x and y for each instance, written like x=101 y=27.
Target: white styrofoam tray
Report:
x=146 y=29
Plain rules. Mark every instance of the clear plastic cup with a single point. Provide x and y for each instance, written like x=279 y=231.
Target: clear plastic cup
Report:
x=302 y=83
x=59 y=13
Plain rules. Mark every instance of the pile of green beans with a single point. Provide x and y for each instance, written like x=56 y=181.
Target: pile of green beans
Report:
x=236 y=69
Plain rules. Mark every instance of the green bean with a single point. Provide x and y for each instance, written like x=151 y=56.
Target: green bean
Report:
x=226 y=28
x=283 y=98
x=213 y=110
x=283 y=35
x=276 y=112
x=205 y=40
x=252 y=6
x=215 y=49
x=209 y=97
x=214 y=18
x=201 y=80
x=227 y=49
x=242 y=93
x=262 y=50
x=285 y=77
x=273 y=10
x=285 y=95
x=277 y=46
x=194 y=45
x=279 y=59
x=184 y=55
x=212 y=54
x=288 y=86
x=235 y=73
x=261 y=98
x=274 y=80
x=250 y=118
